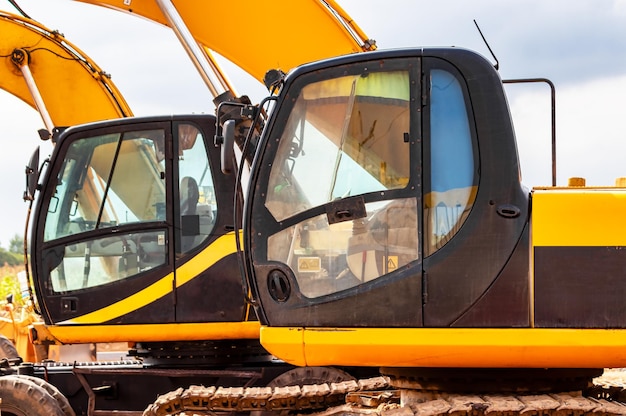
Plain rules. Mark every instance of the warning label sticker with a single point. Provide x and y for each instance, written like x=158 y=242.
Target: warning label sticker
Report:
x=392 y=263
x=309 y=264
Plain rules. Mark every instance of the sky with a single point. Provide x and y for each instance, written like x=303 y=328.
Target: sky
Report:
x=579 y=45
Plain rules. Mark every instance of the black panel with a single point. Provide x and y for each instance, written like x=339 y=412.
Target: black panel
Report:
x=392 y=301
x=465 y=268
x=159 y=311
x=506 y=303
x=216 y=295
x=580 y=287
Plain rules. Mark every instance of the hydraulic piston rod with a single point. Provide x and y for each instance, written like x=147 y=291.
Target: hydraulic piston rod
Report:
x=21 y=58
x=203 y=60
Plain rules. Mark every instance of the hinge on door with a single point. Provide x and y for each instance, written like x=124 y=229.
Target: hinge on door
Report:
x=424 y=289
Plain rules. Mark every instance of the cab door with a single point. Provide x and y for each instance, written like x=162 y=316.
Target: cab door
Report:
x=475 y=208
x=208 y=282
x=334 y=225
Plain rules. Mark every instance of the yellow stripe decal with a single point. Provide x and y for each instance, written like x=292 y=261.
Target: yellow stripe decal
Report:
x=220 y=248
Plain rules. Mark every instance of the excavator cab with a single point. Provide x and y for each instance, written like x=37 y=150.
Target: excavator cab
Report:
x=130 y=227
x=372 y=205
x=386 y=225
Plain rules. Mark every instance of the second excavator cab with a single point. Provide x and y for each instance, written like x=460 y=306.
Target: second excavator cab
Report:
x=134 y=225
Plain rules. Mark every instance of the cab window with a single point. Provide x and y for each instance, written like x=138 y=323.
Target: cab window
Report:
x=197 y=202
x=107 y=181
x=451 y=190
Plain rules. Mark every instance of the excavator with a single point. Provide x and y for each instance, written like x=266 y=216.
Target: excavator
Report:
x=39 y=63
x=133 y=240
x=385 y=225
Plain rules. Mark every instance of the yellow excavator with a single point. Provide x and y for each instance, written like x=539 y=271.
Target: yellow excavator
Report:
x=38 y=64
x=385 y=225
x=133 y=237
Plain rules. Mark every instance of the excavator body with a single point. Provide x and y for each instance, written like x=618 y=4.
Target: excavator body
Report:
x=134 y=241
x=387 y=225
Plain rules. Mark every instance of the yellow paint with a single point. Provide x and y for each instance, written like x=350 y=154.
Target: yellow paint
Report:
x=448 y=347
x=220 y=248
x=145 y=333
x=86 y=94
x=305 y=33
x=578 y=217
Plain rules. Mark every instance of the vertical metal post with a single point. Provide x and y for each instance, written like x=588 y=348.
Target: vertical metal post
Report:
x=552 y=114
x=204 y=62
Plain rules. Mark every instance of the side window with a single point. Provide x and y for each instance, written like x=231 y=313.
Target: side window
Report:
x=107 y=181
x=198 y=205
x=452 y=190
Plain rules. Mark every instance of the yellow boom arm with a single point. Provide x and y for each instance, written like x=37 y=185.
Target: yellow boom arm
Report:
x=43 y=69
x=260 y=35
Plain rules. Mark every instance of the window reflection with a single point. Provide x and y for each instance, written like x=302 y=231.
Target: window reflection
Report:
x=452 y=189
x=327 y=258
x=104 y=260
x=344 y=137
x=107 y=181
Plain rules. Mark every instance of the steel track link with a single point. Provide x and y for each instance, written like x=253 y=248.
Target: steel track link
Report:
x=373 y=397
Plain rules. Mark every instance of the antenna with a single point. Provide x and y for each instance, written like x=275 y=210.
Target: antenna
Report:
x=497 y=65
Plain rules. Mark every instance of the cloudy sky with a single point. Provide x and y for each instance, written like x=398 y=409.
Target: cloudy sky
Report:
x=579 y=45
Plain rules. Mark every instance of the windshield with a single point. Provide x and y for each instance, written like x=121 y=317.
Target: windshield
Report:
x=337 y=142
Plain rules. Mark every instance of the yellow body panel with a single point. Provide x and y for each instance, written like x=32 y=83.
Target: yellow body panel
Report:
x=83 y=334
x=448 y=347
x=72 y=87
x=259 y=35
x=578 y=217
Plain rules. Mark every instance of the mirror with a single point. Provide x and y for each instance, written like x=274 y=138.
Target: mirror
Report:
x=32 y=176
x=227 y=153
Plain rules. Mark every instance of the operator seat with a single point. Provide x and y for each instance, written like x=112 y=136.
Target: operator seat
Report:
x=189 y=196
x=196 y=218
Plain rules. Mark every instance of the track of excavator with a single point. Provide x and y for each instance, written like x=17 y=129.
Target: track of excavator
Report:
x=605 y=395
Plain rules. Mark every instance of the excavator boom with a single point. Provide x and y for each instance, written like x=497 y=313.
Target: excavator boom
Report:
x=316 y=29
x=66 y=84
